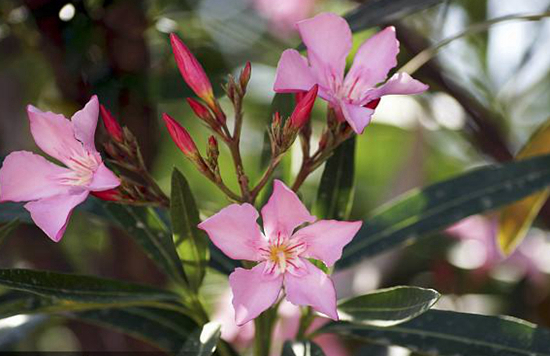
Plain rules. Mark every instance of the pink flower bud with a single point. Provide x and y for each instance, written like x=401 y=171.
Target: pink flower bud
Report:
x=111 y=125
x=200 y=110
x=213 y=143
x=108 y=195
x=245 y=75
x=181 y=137
x=373 y=104
x=192 y=71
x=303 y=108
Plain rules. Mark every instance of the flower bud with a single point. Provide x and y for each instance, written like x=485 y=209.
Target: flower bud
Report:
x=245 y=76
x=111 y=125
x=108 y=195
x=181 y=137
x=373 y=104
x=303 y=108
x=200 y=110
x=213 y=151
x=192 y=71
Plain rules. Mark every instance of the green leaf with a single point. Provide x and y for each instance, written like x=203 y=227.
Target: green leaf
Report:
x=439 y=332
x=11 y=211
x=164 y=329
x=7 y=229
x=335 y=193
x=146 y=227
x=191 y=242
x=202 y=342
x=430 y=209
x=302 y=348
x=84 y=289
x=388 y=307
x=374 y=13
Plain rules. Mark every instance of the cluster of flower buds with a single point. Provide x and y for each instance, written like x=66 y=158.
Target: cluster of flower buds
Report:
x=283 y=135
x=137 y=186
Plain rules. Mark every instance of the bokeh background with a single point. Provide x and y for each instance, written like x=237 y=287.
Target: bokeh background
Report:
x=489 y=91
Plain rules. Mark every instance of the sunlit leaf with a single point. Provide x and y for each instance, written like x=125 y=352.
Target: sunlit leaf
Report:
x=439 y=332
x=516 y=219
x=302 y=348
x=388 y=307
x=428 y=210
x=191 y=243
x=202 y=342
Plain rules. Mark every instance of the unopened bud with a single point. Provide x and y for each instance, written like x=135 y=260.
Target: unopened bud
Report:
x=302 y=111
x=276 y=120
x=245 y=76
x=192 y=71
x=200 y=110
x=111 y=124
x=373 y=104
x=213 y=151
x=108 y=195
x=180 y=136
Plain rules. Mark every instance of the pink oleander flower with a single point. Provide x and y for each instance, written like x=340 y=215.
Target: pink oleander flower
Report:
x=283 y=14
x=328 y=39
x=282 y=253
x=52 y=191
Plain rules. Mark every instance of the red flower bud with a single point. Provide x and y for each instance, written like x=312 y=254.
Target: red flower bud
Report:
x=180 y=136
x=245 y=75
x=192 y=71
x=213 y=143
x=111 y=125
x=373 y=104
x=303 y=108
x=108 y=195
x=200 y=110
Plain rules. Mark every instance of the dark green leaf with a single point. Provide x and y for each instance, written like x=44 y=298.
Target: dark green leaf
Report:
x=335 y=193
x=439 y=332
x=388 y=307
x=302 y=348
x=7 y=229
x=437 y=206
x=84 y=289
x=11 y=211
x=379 y=12
x=145 y=226
x=164 y=329
x=191 y=242
x=202 y=342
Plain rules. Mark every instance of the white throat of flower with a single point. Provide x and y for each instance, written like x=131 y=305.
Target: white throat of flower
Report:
x=82 y=169
x=283 y=255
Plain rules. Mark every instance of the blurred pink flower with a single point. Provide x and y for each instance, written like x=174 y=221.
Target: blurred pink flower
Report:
x=328 y=39
x=282 y=15
x=282 y=253
x=51 y=190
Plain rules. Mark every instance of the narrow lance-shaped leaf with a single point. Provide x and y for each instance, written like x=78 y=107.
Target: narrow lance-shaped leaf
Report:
x=335 y=193
x=145 y=226
x=78 y=288
x=388 y=307
x=7 y=229
x=516 y=219
x=439 y=332
x=302 y=348
x=191 y=243
x=433 y=208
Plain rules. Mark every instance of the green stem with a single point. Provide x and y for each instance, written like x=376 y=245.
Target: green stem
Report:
x=305 y=322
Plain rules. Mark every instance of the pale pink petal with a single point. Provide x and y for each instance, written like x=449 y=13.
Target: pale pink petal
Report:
x=26 y=176
x=85 y=123
x=54 y=134
x=328 y=40
x=357 y=116
x=293 y=73
x=253 y=292
x=284 y=212
x=373 y=61
x=104 y=179
x=52 y=214
x=312 y=288
x=400 y=83
x=325 y=239
x=234 y=231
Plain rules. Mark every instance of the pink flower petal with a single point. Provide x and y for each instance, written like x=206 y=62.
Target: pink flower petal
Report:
x=314 y=288
x=357 y=116
x=328 y=40
x=54 y=134
x=26 y=176
x=373 y=61
x=293 y=73
x=253 y=292
x=325 y=239
x=104 y=179
x=284 y=212
x=52 y=214
x=400 y=83
x=234 y=231
x=85 y=123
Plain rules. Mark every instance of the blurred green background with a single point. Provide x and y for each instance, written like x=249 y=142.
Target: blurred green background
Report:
x=489 y=92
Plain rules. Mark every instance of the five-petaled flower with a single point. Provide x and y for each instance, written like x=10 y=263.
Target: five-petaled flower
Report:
x=52 y=191
x=282 y=253
x=354 y=97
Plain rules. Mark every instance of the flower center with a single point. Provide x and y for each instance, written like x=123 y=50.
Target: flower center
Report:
x=283 y=254
x=82 y=170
